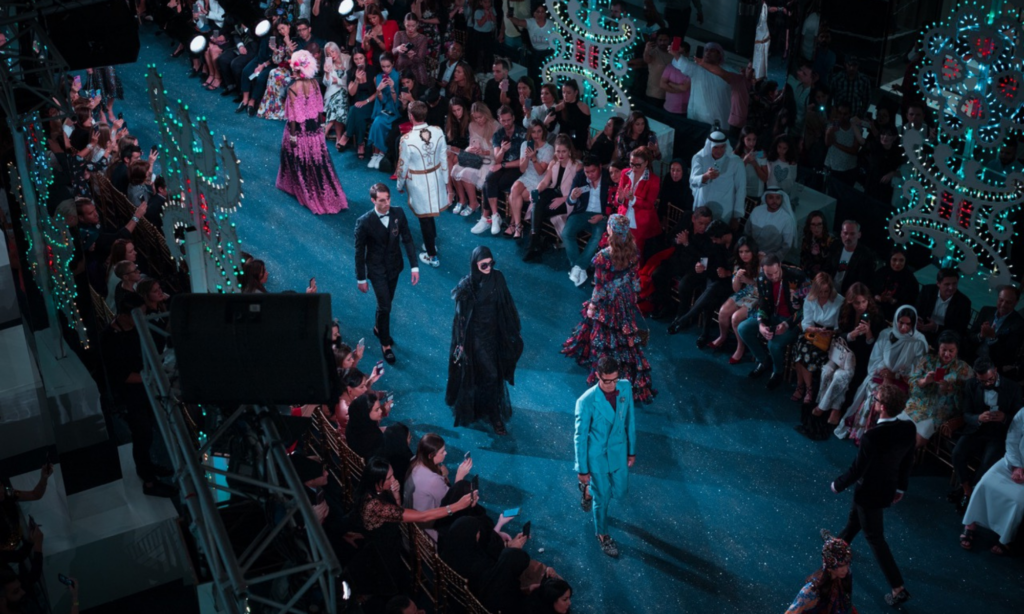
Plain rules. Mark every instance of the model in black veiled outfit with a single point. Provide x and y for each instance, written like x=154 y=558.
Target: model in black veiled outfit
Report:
x=486 y=345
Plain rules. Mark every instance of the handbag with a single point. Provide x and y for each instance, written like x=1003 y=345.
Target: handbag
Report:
x=821 y=340
x=470 y=160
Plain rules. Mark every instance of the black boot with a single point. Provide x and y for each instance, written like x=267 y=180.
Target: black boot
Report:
x=536 y=248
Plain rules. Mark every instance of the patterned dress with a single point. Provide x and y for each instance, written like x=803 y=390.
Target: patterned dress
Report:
x=929 y=407
x=811 y=600
x=336 y=97
x=613 y=331
x=272 y=104
x=307 y=172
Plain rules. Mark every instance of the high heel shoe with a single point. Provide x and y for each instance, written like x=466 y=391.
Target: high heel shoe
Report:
x=716 y=345
x=735 y=361
x=177 y=52
x=799 y=394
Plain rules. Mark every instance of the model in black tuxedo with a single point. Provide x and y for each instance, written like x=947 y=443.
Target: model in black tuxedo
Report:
x=861 y=265
x=984 y=427
x=379 y=258
x=881 y=472
x=998 y=332
x=958 y=314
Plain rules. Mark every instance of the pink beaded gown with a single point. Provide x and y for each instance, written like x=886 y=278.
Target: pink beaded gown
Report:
x=307 y=172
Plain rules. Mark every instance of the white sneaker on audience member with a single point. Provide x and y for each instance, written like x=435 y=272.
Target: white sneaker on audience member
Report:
x=574 y=274
x=466 y=211
x=426 y=259
x=481 y=226
x=457 y=209
x=581 y=278
x=375 y=160
x=495 y=224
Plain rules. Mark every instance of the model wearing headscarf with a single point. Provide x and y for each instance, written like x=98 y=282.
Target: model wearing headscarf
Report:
x=896 y=351
x=486 y=345
x=725 y=193
x=830 y=589
x=610 y=318
x=362 y=433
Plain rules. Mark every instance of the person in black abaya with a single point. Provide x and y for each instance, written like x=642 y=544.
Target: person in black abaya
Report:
x=462 y=550
x=362 y=433
x=500 y=589
x=894 y=284
x=486 y=345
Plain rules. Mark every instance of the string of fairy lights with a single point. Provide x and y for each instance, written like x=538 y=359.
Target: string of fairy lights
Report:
x=950 y=204
x=58 y=242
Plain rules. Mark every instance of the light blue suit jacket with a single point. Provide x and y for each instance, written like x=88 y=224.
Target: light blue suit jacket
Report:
x=605 y=437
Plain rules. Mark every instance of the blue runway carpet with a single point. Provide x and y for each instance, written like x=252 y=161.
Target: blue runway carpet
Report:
x=726 y=500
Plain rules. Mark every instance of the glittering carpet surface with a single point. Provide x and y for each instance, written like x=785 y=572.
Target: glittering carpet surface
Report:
x=725 y=501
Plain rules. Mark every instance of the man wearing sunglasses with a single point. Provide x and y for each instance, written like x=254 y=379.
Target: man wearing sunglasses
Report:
x=605 y=445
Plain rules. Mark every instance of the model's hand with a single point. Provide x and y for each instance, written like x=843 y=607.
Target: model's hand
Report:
x=415 y=277
x=897 y=498
x=364 y=287
x=584 y=478
x=1017 y=475
x=630 y=460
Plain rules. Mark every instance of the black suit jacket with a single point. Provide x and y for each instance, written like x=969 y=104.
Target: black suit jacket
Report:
x=958 y=314
x=882 y=465
x=1009 y=336
x=378 y=254
x=580 y=206
x=860 y=268
x=1008 y=401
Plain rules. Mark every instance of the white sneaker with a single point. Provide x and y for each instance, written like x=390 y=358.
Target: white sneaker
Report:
x=426 y=259
x=457 y=209
x=581 y=278
x=574 y=274
x=481 y=226
x=375 y=161
x=466 y=211
x=495 y=224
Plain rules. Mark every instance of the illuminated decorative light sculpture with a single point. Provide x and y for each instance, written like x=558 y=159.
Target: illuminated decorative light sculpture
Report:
x=58 y=243
x=951 y=204
x=203 y=186
x=587 y=51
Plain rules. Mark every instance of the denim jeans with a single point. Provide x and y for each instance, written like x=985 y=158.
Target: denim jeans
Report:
x=574 y=225
x=750 y=333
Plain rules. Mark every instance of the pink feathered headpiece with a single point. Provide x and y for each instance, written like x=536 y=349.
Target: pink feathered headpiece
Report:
x=303 y=63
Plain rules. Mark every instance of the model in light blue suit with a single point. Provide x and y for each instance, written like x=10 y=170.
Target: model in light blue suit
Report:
x=605 y=446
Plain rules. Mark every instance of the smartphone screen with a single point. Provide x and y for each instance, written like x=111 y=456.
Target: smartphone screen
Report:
x=511 y=513
x=361 y=342
x=468 y=456
x=677 y=43
x=700 y=51
x=476 y=483
x=65 y=580
x=526 y=528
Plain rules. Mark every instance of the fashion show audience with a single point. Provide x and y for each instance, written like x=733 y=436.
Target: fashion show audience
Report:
x=725 y=243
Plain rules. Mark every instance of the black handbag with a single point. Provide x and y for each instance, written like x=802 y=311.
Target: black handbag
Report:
x=470 y=160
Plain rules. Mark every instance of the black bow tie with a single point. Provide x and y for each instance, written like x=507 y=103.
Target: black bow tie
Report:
x=382 y=216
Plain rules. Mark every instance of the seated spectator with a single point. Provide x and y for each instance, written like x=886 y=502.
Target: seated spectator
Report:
x=716 y=275
x=534 y=156
x=470 y=177
x=894 y=284
x=527 y=96
x=676 y=86
x=989 y=405
x=782 y=167
x=936 y=388
x=402 y=604
x=499 y=89
x=468 y=548
x=386 y=108
x=772 y=225
x=464 y=85
x=396 y=450
x=553 y=596
x=605 y=144
x=844 y=140
x=636 y=133
x=410 y=50
x=941 y=306
x=736 y=308
x=254 y=276
x=690 y=245
x=453 y=54
x=361 y=97
x=893 y=357
x=589 y=197
x=818 y=245
x=710 y=95
x=836 y=376
x=378 y=509
x=854 y=263
x=718 y=180
x=637 y=198
x=780 y=291
x=363 y=433
x=507 y=144
x=819 y=323
x=427 y=482
x=860 y=324
x=998 y=501
x=571 y=116
x=998 y=332
x=549 y=95
x=379 y=33
x=674 y=190
x=500 y=587
x=552 y=194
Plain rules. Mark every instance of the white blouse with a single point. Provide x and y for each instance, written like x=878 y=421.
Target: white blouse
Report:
x=823 y=317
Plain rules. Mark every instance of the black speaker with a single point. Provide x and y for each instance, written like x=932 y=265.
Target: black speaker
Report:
x=265 y=349
x=102 y=34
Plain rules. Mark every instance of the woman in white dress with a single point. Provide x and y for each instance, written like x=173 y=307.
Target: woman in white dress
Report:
x=998 y=499
x=336 y=65
x=470 y=179
x=533 y=162
x=762 y=42
x=897 y=350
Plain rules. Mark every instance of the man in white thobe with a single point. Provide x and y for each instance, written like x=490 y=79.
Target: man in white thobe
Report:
x=710 y=95
x=772 y=224
x=718 y=180
x=423 y=171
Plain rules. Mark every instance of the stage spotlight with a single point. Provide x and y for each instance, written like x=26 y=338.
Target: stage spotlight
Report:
x=346 y=7
x=262 y=28
x=198 y=44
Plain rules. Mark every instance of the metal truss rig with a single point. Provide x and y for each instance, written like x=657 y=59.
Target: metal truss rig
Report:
x=232 y=572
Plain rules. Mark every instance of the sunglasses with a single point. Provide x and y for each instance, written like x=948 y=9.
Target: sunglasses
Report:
x=485 y=264
x=636 y=164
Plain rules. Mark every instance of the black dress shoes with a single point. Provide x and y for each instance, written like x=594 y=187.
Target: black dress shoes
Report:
x=389 y=355
x=228 y=90
x=241 y=107
x=702 y=342
x=665 y=313
x=678 y=325
x=898 y=599
x=252 y=110
x=532 y=255
x=774 y=381
x=758 y=371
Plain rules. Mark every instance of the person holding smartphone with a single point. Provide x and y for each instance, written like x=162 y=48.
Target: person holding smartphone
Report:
x=936 y=386
x=429 y=480
x=386 y=108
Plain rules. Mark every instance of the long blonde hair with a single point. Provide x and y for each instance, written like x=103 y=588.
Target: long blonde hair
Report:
x=491 y=127
x=820 y=281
